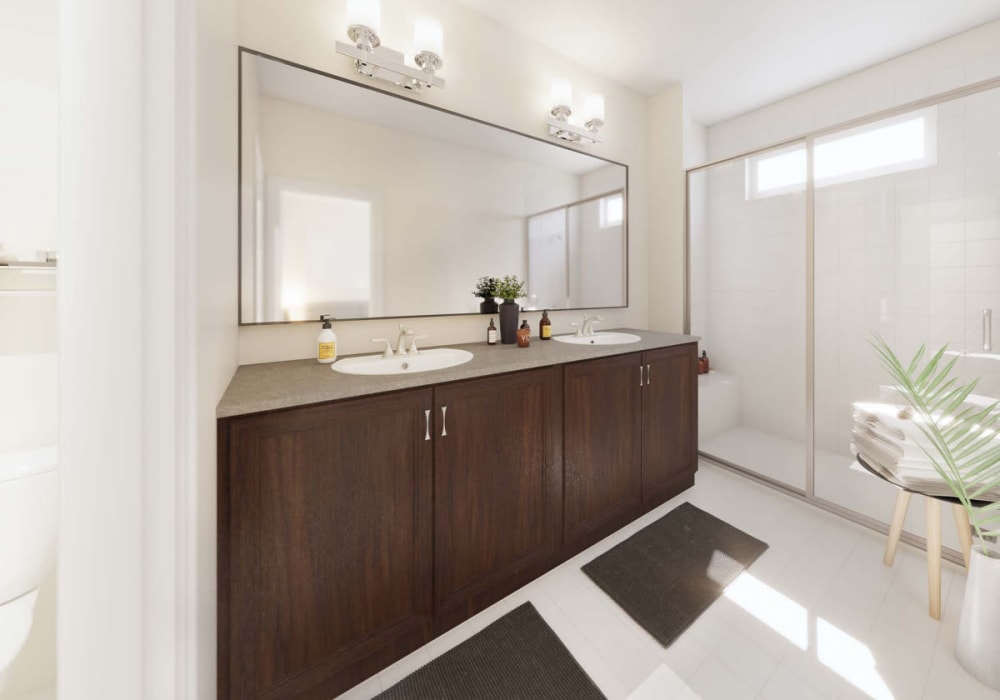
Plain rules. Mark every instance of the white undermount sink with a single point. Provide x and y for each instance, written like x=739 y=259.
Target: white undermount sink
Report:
x=609 y=338
x=426 y=361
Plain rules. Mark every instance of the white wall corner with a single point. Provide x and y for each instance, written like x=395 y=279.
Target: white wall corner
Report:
x=665 y=171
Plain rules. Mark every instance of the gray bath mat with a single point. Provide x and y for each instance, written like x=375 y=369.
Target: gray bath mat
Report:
x=668 y=573
x=518 y=656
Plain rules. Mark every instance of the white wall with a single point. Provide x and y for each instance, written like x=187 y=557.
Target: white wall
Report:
x=147 y=301
x=29 y=92
x=214 y=260
x=948 y=64
x=666 y=253
x=512 y=92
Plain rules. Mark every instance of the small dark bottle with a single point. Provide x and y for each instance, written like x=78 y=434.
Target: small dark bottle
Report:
x=703 y=363
x=491 y=334
x=524 y=334
x=545 y=326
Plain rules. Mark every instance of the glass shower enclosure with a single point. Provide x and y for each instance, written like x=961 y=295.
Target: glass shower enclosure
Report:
x=800 y=253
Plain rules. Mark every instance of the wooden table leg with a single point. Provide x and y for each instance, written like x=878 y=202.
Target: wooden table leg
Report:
x=964 y=533
x=934 y=556
x=896 y=528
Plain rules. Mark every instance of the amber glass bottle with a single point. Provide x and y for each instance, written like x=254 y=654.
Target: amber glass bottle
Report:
x=545 y=326
x=524 y=334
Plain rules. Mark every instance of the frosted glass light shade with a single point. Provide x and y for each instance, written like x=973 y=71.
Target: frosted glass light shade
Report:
x=428 y=36
x=593 y=107
x=367 y=13
x=562 y=93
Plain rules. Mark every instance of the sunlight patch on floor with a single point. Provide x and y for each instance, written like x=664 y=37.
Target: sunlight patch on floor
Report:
x=835 y=649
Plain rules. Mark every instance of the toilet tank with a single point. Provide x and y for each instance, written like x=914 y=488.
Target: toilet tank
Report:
x=28 y=519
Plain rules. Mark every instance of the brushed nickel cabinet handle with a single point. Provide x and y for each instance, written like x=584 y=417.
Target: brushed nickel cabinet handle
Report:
x=647 y=375
x=427 y=424
x=640 y=375
x=444 y=421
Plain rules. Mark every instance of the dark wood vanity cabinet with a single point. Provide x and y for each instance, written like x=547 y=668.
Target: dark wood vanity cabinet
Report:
x=669 y=423
x=354 y=531
x=630 y=438
x=497 y=488
x=602 y=449
x=325 y=545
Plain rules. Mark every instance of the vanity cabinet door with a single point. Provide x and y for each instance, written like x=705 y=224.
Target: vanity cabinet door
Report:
x=602 y=447
x=325 y=544
x=497 y=488
x=669 y=423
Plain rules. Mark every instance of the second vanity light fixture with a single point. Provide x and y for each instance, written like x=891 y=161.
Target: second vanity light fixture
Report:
x=558 y=121
x=371 y=59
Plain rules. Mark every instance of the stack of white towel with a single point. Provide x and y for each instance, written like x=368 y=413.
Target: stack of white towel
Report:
x=886 y=438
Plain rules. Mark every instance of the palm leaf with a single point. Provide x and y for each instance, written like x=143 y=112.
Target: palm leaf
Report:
x=961 y=442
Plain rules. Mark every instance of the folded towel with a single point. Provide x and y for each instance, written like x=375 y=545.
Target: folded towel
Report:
x=892 y=445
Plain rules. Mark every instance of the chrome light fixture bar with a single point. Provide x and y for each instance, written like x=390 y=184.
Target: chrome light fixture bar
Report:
x=373 y=60
x=558 y=121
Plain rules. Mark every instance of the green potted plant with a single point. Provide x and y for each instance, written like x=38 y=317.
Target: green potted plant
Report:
x=963 y=448
x=509 y=288
x=486 y=290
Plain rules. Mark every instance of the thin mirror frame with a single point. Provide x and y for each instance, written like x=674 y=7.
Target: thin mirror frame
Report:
x=241 y=50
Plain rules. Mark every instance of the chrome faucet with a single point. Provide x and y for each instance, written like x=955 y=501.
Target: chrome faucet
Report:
x=588 y=324
x=404 y=333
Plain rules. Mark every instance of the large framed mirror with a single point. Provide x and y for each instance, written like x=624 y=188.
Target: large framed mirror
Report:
x=359 y=203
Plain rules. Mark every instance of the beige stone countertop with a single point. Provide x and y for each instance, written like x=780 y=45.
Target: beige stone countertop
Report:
x=274 y=385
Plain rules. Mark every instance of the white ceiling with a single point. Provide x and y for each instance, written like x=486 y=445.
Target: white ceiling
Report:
x=734 y=55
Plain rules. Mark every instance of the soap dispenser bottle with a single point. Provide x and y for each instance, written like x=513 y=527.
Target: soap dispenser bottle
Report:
x=545 y=326
x=491 y=334
x=703 y=363
x=326 y=351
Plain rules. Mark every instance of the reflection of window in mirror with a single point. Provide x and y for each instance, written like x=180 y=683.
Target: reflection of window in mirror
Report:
x=324 y=252
x=612 y=210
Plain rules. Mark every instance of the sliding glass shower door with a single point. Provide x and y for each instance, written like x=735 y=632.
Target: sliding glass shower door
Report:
x=747 y=286
x=896 y=233
x=907 y=241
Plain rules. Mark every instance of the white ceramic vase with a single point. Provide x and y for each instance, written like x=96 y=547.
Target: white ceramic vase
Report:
x=978 y=644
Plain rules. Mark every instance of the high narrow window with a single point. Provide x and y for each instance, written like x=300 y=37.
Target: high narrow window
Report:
x=612 y=210
x=889 y=146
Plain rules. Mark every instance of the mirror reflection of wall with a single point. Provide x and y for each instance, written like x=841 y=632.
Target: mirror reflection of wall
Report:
x=324 y=252
x=360 y=204
x=571 y=250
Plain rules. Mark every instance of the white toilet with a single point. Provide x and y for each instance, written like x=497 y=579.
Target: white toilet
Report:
x=28 y=519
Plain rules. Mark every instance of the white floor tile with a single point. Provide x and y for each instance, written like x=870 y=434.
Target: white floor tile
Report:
x=747 y=659
x=662 y=682
x=714 y=681
x=685 y=656
x=784 y=684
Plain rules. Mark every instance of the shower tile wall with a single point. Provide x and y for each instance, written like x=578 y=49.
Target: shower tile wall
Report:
x=751 y=255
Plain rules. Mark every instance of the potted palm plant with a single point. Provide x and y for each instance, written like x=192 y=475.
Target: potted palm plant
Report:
x=486 y=289
x=964 y=449
x=509 y=288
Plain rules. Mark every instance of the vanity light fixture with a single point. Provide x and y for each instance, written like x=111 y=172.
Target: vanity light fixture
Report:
x=371 y=59
x=558 y=120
